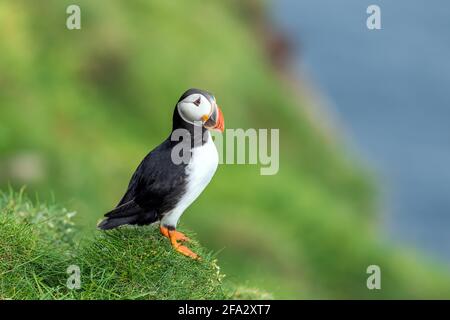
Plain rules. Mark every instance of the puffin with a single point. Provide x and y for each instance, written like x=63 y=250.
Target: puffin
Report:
x=163 y=187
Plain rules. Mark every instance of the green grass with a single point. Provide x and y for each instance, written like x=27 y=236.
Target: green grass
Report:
x=38 y=244
x=140 y=263
x=34 y=242
x=88 y=105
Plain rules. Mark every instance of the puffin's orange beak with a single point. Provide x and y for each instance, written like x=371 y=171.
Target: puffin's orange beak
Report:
x=215 y=121
x=220 y=123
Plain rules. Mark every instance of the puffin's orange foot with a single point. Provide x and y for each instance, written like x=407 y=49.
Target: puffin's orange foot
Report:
x=164 y=231
x=178 y=236
x=175 y=236
x=184 y=250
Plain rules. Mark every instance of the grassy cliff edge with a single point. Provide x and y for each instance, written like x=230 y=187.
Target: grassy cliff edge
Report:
x=38 y=252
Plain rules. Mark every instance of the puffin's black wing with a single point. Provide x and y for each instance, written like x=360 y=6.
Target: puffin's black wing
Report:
x=154 y=189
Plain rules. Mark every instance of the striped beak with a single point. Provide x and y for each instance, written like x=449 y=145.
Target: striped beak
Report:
x=215 y=121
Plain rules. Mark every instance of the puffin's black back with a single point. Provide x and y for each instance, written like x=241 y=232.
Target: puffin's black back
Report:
x=158 y=183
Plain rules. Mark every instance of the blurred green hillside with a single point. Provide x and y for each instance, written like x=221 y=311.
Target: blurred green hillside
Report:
x=79 y=110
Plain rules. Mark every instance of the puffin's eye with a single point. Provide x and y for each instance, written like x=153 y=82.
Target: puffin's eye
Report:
x=198 y=101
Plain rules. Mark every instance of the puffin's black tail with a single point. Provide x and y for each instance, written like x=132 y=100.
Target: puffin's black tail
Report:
x=128 y=213
x=111 y=223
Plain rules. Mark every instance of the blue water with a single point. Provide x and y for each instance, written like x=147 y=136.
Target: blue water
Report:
x=390 y=89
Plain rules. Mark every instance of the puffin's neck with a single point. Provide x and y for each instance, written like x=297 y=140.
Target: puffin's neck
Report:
x=197 y=133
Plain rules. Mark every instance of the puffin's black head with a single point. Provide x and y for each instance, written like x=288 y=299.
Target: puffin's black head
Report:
x=199 y=107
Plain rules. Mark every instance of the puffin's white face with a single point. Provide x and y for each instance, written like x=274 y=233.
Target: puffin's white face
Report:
x=195 y=108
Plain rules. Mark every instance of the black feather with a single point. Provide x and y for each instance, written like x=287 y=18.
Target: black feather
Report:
x=111 y=223
x=125 y=210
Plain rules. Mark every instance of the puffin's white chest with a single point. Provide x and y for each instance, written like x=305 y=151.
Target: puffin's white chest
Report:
x=201 y=168
x=199 y=172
